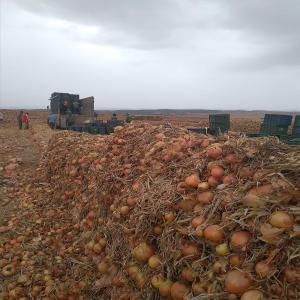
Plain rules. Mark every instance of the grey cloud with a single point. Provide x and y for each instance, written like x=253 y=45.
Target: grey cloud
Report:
x=134 y=23
x=273 y=26
x=153 y=53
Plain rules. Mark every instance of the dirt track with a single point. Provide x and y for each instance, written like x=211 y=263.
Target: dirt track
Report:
x=19 y=151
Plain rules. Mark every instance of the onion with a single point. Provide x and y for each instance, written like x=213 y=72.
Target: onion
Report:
x=199 y=231
x=205 y=197
x=102 y=242
x=203 y=186
x=157 y=230
x=198 y=288
x=217 y=172
x=179 y=291
x=291 y=274
x=262 y=269
x=237 y=282
x=188 y=274
x=136 y=186
x=205 y=143
x=154 y=262
x=266 y=189
x=253 y=200
x=219 y=266
x=140 y=280
x=192 y=180
x=222 y=249
x=214 y=233
x=198 y=208
x=142 y=252
x=35 y=291
x=228 y=179
x=245 y=172
x=91 y=215
x=132 y=270
x=190 y=249
x=8 y=270
x=197 y=221
x=103 y=267
x=240 y=239
x=232 y=158
x=169 y=217
x=181 y=187
x=214 y=152
x=235 y=260
x=253 y=295
x=97 y=248
x=131 y=201
x=281 y=219
x=73 y=173
x=187 y=204
x=165 y=288
x=212 y=181
x=157 y=280
x=22 y=279
x=124 y=210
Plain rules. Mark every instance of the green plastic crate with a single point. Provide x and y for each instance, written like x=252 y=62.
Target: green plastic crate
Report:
x=219 y=121
x=297 y=121
x=273 y=129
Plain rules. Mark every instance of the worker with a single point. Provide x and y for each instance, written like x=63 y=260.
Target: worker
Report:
x=128 y=118
x=114 y=117
x=19 y=118
x=25 y=120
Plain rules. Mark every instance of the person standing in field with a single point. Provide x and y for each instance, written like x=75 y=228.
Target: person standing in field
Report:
x=27 y=123
x=25 y=120
x=19 y=118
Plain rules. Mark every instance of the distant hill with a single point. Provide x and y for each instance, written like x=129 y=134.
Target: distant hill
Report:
x=183 y=111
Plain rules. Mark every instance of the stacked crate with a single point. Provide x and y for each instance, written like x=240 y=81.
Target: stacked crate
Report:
x=275 y=124
x=219 y=122
x=296 y=128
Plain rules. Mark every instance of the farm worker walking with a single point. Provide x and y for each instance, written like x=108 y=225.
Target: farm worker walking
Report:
x=19 y=118
x=25 y=120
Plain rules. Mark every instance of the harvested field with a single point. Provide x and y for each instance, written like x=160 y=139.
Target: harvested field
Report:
x=150 y=213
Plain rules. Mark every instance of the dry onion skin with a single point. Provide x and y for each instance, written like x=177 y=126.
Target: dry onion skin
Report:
x=157 y=211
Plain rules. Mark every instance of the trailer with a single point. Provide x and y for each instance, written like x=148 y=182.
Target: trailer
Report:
x=68 y=111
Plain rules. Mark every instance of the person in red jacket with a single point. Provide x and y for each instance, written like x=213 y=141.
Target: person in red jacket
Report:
x=25 y=120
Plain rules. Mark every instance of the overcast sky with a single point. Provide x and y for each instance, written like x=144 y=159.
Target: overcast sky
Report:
x=234 y=54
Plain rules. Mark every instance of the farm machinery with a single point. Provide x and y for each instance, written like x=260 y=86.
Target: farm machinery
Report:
x=68 y=111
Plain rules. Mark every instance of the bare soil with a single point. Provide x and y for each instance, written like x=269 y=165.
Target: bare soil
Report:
x=23 y=146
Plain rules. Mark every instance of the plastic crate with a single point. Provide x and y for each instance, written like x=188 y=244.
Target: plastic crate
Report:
x=203 y=130
x=273 y=129
x=219 y=121
x=76 y=128
x=296 y=131
x=282 y=120
x=297 y=121
x=102 y=130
